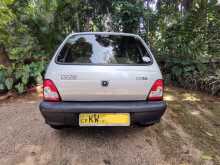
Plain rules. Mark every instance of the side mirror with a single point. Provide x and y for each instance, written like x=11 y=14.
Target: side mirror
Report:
x=146 y=59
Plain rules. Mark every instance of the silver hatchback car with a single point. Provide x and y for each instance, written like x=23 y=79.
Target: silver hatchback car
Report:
x=102 y=79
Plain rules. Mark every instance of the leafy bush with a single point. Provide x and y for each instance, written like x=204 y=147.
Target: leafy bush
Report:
x=19 y=77
x=211 y=82
x=192 y=74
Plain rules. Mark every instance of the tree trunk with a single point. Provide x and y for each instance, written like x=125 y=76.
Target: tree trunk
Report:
x=77 y=22
x=187 y=4
x=4 y=59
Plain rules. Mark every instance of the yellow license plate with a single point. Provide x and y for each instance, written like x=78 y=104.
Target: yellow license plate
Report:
x=104 y=119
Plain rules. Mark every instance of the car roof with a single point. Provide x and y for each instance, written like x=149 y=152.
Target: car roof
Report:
x=108 y=33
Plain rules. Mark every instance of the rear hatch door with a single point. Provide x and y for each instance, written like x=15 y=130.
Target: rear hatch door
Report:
x=103 y=67
x=98 y=83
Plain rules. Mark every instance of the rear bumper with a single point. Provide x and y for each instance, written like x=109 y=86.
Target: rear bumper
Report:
x=66 y=113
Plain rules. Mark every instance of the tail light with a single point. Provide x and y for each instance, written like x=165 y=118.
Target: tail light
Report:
x=50 y=91
x=156 y=92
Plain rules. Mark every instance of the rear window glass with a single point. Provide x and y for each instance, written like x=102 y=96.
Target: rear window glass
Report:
x=103 y=49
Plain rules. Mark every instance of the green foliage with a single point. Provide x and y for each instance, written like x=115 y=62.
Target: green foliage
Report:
x=20 y=77
x=126 y=15
x=20 y=88
x=9 y=83
x=184 y=36
x=192 y=75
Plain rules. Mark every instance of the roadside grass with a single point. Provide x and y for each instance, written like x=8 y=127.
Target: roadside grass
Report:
x=198 y=115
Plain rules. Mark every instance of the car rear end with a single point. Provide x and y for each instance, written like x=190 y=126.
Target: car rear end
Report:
x=103 y=79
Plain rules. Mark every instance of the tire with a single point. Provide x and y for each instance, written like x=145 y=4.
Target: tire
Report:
x=148 y=124
x=145 y=125
x=57 y=127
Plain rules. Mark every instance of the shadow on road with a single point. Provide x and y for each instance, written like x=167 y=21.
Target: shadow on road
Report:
x=100 y=132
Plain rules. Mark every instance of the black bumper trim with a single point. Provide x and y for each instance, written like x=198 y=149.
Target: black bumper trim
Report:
x=128 y=106
x=66 y=113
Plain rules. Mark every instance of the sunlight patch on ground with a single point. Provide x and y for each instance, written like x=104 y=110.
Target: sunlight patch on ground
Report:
x=195 y=113
x=40 y=95
x=190 y=97
x=31 y=102
x=168 y=97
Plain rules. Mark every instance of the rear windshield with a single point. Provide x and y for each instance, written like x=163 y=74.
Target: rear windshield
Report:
x=103 y=49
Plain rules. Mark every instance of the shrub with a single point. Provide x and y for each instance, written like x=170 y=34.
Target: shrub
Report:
x=19 y=77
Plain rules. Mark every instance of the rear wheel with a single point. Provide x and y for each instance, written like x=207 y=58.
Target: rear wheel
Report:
x=58 y=127
x=148 y=124
x=145 y=125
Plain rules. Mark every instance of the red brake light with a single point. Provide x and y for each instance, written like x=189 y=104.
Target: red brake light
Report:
x=156 y=92
x=50 y=91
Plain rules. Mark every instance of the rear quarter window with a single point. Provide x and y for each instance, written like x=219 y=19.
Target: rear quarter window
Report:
x=102 y=49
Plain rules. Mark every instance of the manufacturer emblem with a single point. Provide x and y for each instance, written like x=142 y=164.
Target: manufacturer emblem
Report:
x=68 y=77
x=104 y=83
x=141 y=78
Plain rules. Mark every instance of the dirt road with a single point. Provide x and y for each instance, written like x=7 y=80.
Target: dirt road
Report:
x=189 y=133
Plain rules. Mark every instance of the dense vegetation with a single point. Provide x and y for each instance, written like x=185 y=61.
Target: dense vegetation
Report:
x=184 y=35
